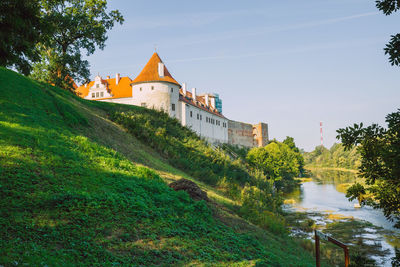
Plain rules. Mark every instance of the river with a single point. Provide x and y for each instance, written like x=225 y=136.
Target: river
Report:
x=323 y=200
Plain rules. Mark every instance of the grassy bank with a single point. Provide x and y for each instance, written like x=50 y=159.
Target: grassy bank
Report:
x=313 y=167
x=78 y=189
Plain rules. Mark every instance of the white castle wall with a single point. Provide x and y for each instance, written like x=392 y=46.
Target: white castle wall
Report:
x=213 y=128
x=157 y=95
x=162 y=95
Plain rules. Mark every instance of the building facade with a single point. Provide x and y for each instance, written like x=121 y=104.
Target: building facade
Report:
x=155 y=88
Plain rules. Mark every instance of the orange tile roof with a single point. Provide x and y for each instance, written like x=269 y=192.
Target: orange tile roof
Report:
x=199 y=103
x=150 y=72
x=122 y=89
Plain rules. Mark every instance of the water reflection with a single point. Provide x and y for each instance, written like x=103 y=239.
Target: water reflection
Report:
x=324 y=194
x=333 y=176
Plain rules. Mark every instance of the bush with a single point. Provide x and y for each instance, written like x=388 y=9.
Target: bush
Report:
x=182 y=147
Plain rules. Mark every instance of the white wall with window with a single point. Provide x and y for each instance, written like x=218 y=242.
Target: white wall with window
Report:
x=162 y=96
x=98 y=90
x=206 y=124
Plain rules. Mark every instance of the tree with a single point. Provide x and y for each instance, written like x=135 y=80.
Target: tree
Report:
x=380 y=162
x=278 y=163
x=393 y=47
x=20 y=30
x=289 y=141
x=356 y=191
x=75 y=25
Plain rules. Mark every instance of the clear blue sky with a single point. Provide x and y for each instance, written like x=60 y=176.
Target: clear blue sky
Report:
x=290 y=64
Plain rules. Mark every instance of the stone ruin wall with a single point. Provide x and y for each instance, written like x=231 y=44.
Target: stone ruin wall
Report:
x=247 y=135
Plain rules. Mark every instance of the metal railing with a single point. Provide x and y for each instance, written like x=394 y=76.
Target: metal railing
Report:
x=318 y=236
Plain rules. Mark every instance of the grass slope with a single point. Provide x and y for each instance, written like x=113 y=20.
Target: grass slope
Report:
x=75 y=191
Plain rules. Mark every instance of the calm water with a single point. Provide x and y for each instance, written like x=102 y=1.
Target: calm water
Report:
x=318 y=196
x=322 y=195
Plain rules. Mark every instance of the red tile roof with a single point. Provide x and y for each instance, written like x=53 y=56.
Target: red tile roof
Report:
x=199 y=103
x=150 y=72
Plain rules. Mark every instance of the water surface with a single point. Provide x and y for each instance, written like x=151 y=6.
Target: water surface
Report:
x=323 y=195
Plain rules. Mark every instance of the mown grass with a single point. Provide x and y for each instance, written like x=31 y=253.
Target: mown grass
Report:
x=73 y=196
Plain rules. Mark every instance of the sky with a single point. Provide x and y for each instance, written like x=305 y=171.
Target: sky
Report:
x=287 y=63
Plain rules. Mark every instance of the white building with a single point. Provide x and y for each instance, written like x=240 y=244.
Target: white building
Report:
x=155 y=88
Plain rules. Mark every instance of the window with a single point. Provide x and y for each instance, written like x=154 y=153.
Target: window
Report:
x=152 y=88
x=191 y=113
x=97 y=86
x=201 y=117
x=172 y=90
x=101 y=94
x=143 y=105
x=198 y=116
x=140 y=89
x=93 y=95
x=173 y=107
x=97 y=94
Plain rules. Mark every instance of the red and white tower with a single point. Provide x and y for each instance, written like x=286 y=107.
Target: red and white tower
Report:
x=322 y=137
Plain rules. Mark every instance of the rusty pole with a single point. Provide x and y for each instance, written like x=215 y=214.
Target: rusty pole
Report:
x=346 y=257
x=317 y=255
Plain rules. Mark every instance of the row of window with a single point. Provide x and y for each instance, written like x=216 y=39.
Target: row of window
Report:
x=152 y=88
x=97 y=94
x=208 y=120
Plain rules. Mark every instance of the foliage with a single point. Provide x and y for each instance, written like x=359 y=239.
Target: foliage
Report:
x=20 y=30
x=278 y=163
x=335 y=157
x=393 y=47
x=261 y=206
x=396 y=259
x=67 y=200
x=356 y=191
x=380 y=157
x=289 y=141
x=181 y=146
x=235 y=151
x=75 y=26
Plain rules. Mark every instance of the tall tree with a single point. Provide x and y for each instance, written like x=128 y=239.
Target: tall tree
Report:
x=393 y=47
x=278 y=163
x=20 y=30
x=289 y=141
x=76 y=25
x=380 y=163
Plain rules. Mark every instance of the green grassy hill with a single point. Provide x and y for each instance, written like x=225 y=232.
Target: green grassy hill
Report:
x=78 y=189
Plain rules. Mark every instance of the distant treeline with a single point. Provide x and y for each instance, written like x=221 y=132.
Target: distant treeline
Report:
x=335 y=157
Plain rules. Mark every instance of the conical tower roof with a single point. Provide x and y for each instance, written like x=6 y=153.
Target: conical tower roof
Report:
x=150 y=72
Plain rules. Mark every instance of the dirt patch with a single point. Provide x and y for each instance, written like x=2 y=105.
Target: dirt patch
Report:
x=191 y=188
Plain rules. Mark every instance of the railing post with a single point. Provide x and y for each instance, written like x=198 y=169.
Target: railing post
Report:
x=346 y=257
x=317 y=256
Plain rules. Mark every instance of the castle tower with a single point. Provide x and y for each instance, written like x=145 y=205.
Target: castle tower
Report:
x=155 y=88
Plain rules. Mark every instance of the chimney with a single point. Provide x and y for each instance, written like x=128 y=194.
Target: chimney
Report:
x=161 y=69
x=85 y=85
x=184 y=88
x=207 y=101
x=108 y=77
x=117 y=78
x=194 y=94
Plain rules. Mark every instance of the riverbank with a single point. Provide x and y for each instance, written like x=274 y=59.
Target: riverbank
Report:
x=311 y=168
x=320 y=204
x=368 y=243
